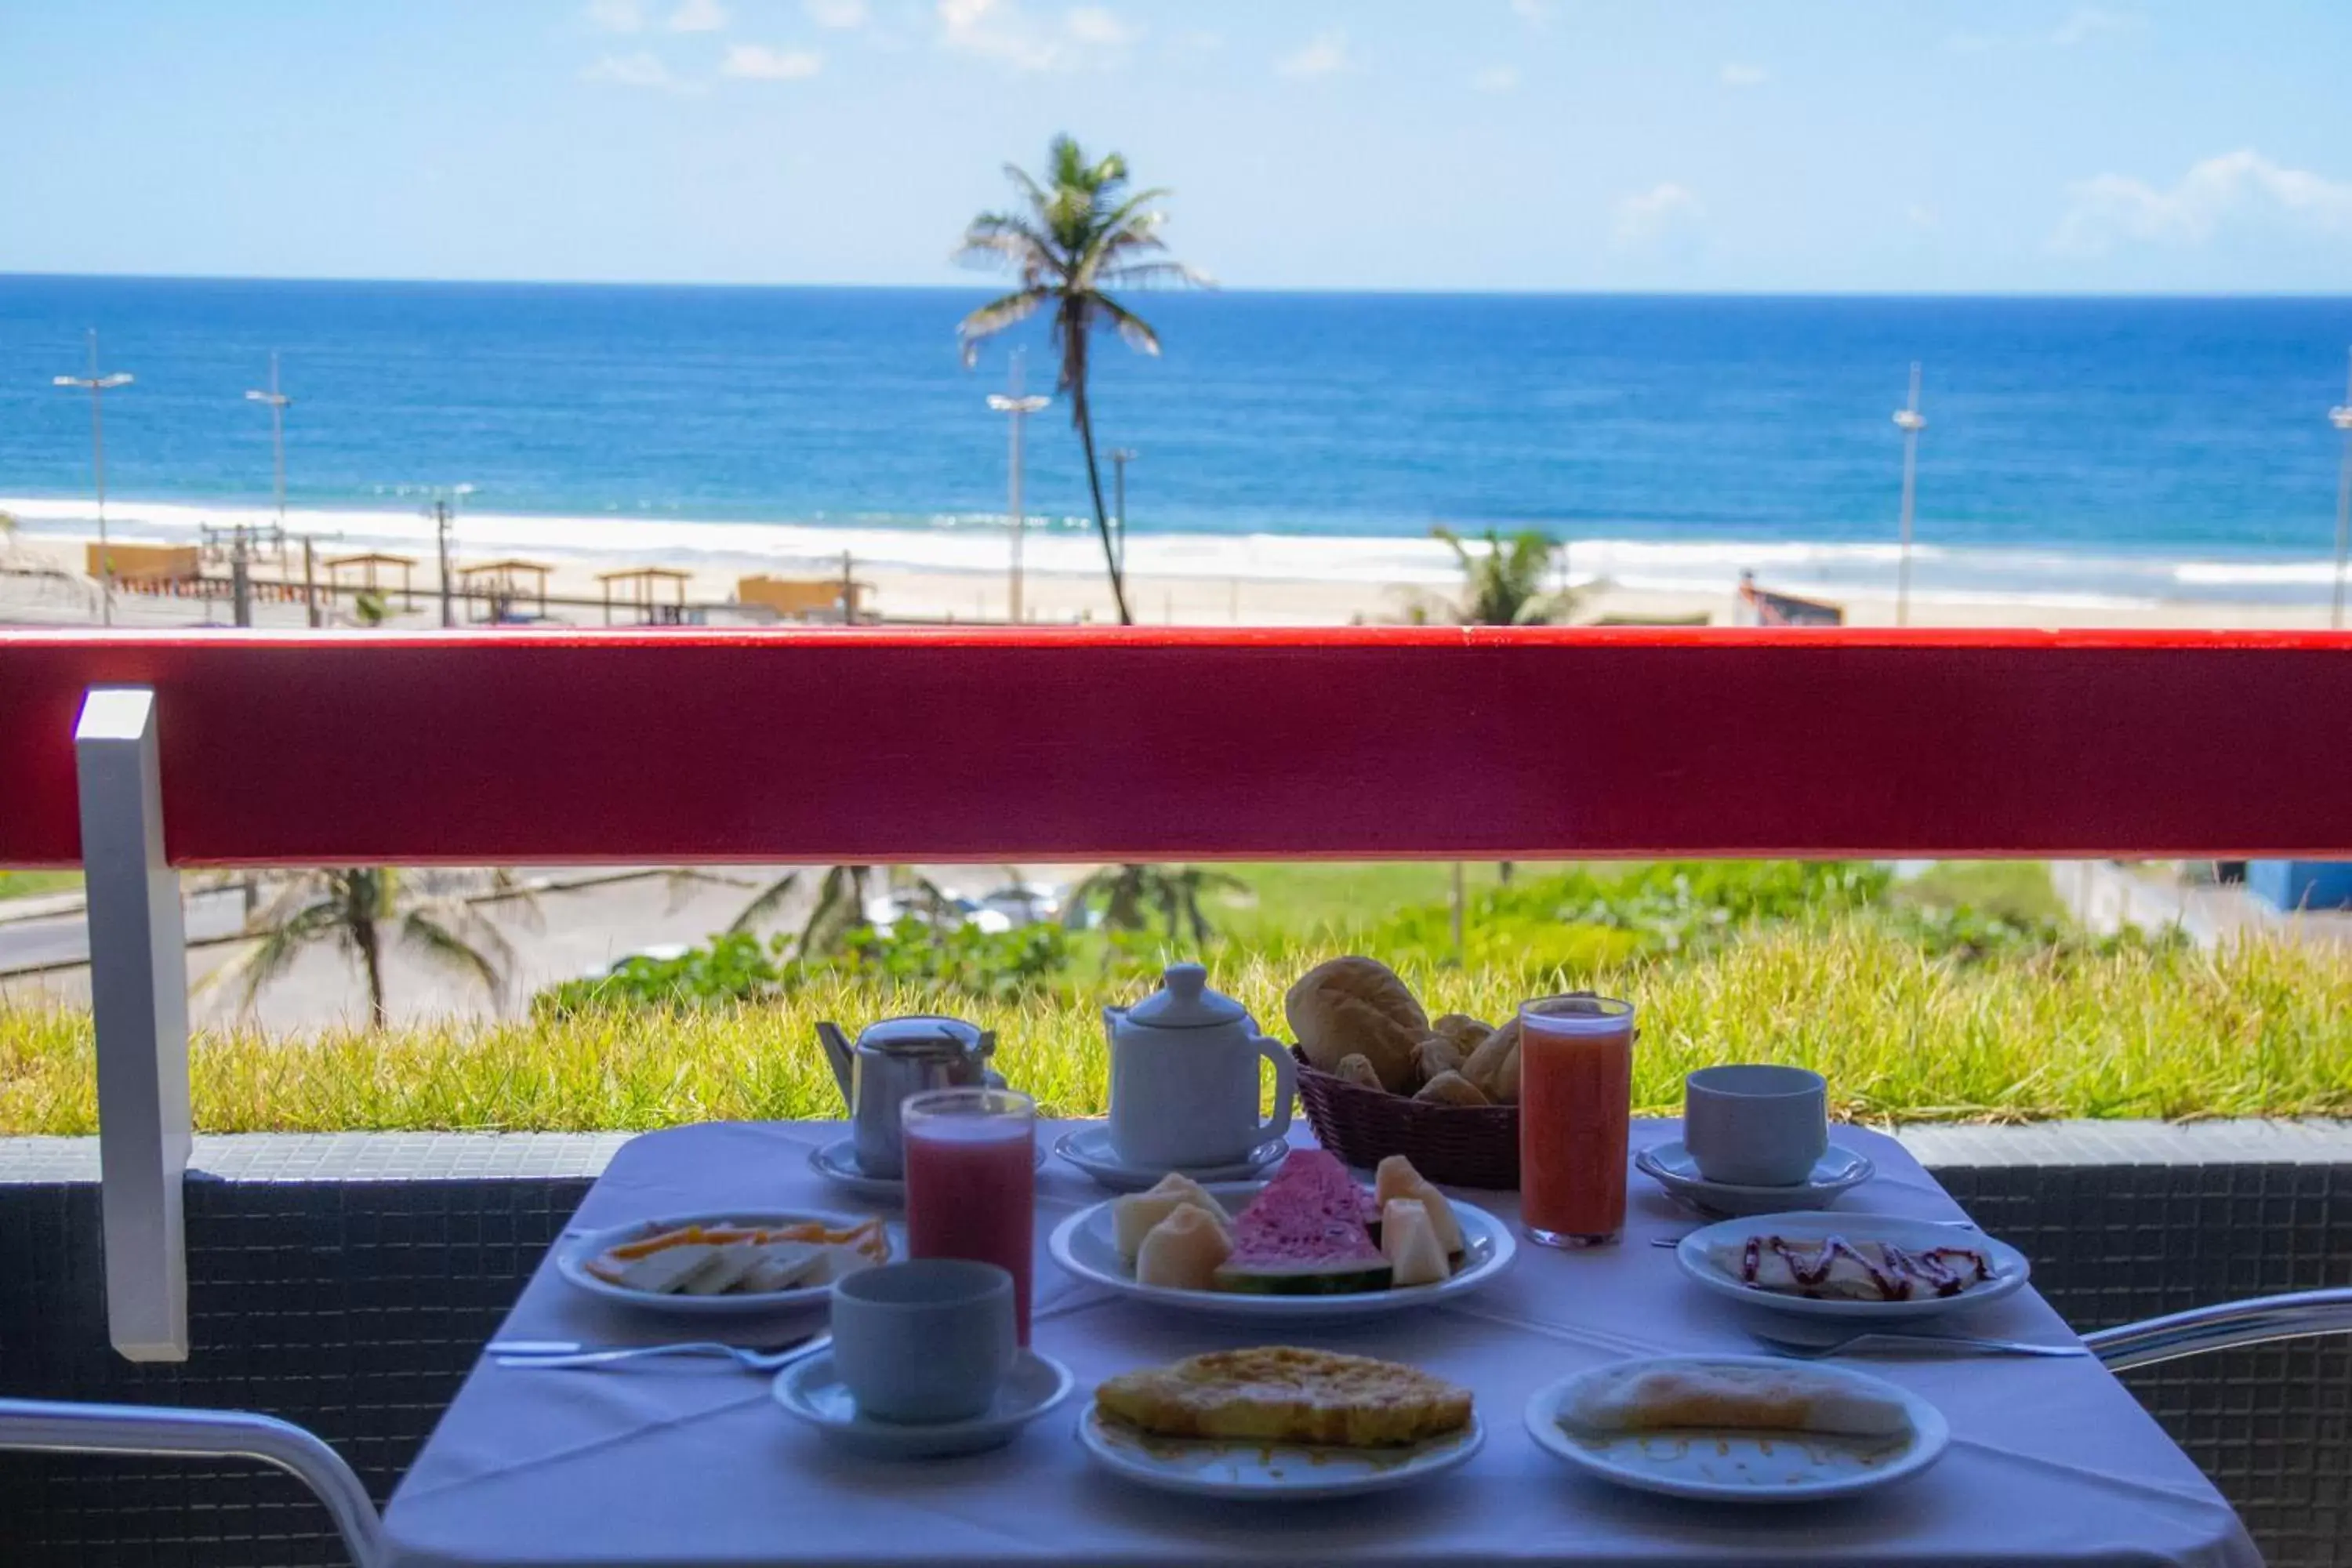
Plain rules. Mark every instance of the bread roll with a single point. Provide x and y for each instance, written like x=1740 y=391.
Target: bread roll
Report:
x=1434 y=1056
x=1464 y=1030
x=1451 y=1088
x=1355 y=1068
x=1356 y=1006
x=1494 y=1066
x=1736 y=1399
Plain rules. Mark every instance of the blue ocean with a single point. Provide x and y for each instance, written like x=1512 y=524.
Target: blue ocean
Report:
x=2076 y=449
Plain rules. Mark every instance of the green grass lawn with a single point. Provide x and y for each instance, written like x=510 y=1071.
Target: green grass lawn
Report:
x=2264 y=1028
x=24 y=884
x=2012 y=889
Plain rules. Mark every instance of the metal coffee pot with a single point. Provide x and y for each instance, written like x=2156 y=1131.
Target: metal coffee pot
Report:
x=894 y=1058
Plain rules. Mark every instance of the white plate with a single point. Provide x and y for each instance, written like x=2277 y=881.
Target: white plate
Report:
x=837 y=1163
x=1671 y=1166
x=1089 y=1150
x=1263 y=1472
x=572 y=1253
x=2009 y=1265
x=812 y=1389
x=1739 y=1467
x=1087 y=1246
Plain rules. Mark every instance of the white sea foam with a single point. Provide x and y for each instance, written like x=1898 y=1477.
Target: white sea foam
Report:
x=975 y=543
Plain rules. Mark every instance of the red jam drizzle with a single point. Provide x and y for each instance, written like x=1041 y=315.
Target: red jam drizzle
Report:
x=1942 y=1271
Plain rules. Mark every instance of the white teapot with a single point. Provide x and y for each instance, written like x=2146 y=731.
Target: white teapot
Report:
x=1184 y=1077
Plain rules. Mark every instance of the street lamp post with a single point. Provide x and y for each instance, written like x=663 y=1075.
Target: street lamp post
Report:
x=442 y=513
x=1011 y=403
x=97 y=386
x=2342 y=419
x=1910 y=421
x=241 y=537
x=1119 y=458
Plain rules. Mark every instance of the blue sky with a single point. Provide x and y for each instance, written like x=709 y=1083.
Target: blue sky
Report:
x=1689 y=145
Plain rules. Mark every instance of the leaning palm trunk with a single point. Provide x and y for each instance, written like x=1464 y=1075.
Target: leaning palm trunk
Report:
x=1082 y=416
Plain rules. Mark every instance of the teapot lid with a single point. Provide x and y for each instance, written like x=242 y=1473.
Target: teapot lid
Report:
x=1185 y=1001
x=920 y=1034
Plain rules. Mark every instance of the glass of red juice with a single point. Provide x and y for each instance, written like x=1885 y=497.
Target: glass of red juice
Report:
x=1576 y=1115
x=971 y=1180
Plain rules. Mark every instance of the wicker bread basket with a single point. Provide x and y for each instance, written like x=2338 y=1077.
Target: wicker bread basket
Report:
x=1453 y=1145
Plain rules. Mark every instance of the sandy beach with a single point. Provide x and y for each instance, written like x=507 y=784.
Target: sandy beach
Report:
x=1061 y=585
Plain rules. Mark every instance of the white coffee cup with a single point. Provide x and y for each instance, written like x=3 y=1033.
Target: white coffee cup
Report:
x=926 y=1341
x=1756 y=1125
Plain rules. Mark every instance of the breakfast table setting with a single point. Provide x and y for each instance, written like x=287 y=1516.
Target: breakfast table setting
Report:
x=949 y=1331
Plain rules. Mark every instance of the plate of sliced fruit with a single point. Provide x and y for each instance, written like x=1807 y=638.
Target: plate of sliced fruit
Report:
x=1312 y=1242
x=739 y=1263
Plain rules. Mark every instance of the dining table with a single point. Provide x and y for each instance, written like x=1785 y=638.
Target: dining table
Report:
x=690 y=1463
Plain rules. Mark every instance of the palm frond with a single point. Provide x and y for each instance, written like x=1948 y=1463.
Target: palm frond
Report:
x=1132 y=328
x=840 y=909
x=994 y=317
x=1155 y=275
x=765 y=904
x=423 y=931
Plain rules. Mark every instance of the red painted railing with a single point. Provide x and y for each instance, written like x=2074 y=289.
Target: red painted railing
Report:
x=906 y=746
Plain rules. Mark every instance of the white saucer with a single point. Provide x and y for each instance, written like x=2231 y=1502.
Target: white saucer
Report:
x=837 y=1163
x=812 y=1390
x=1671 y=1166
x=1088 y=1148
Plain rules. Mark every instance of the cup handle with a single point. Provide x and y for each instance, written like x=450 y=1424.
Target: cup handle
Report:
x=1285 y=1085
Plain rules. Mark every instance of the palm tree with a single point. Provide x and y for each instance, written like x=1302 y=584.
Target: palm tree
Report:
x=1128 y=892
x=840 y=908
x=1503 y=585
x=357 y=908
x=1079 y=233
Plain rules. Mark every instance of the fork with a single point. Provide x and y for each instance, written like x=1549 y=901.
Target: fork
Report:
x=546 y=1355
x=1858 y=1344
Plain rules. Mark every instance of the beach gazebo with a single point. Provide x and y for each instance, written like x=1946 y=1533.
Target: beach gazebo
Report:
x=366 y=567
x=639 y=589
x=500 y=583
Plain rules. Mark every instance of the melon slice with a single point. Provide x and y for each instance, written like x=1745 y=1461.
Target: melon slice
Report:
x=1411 y=1245
x=1396 y=1178
x=1305 y=1235
x=1135 y=1217
x=1183 y=1252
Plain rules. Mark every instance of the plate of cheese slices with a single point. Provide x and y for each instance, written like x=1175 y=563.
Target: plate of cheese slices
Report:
x=1310 y=1243
x=1279 y=1424
x=1730 y=1428
x=739 y=1263
x=1875 y=1266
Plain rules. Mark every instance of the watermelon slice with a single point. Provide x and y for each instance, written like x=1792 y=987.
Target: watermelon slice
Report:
x=1305 y=1235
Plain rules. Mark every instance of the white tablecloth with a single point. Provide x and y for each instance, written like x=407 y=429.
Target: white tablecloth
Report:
x=2052 y=1461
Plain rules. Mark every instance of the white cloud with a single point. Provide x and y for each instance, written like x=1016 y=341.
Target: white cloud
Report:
x=1922 y=215
x=698 y=17
x=616 y=15
x=639 y=69
x=2089 y=23
x=1534 y=12
x=757 y=62
x=1496 y=79
x=1739 y=74
x=1662 y=212
x=1325 y=53
x=838 y=14
x=2236 y=190
x=1086 y=36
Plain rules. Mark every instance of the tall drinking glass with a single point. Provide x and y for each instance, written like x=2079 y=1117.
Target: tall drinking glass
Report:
x=971 y=1180
x=1576 y=1112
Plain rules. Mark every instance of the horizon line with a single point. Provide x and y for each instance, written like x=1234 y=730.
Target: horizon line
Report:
x=11 y=276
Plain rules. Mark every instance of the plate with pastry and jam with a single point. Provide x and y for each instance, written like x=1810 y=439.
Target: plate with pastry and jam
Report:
x=1871 y=1267
x=1310 y=1243
x=1280 y=1424
x=1726 y=1428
